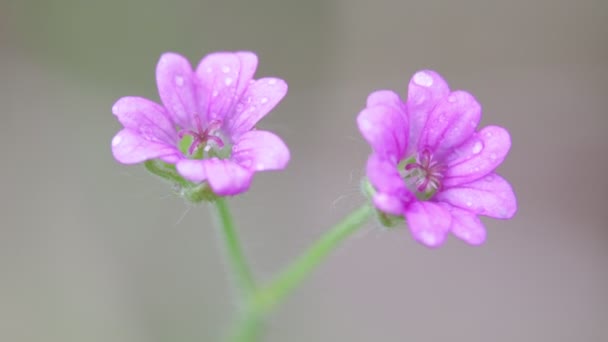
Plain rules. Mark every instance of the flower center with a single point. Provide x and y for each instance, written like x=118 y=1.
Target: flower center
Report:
x=422 y=174
x=203 y=142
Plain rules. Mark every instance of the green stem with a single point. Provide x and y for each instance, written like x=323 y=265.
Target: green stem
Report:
x=267 y=298
x=236 y=257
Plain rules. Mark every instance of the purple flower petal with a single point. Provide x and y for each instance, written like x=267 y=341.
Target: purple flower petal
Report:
x=477 y=157
x=392 y=194
x=385 y=98
x=426 y=89
x=467 y=226
x=224 y=176
x=491 y=195
x=451 y=123
x=428 y=222
x=260 y=151
x=389 y=203
x=192 y=169
x=130 y=147
x=257 y=101
x=176 y=87
x=223 y=78
x=385 y=128
x=147 y=118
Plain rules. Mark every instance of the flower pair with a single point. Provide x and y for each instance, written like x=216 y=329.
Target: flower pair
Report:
x=429 y=164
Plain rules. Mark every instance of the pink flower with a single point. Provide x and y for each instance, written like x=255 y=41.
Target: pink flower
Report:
x=206 y=125
x=430 y=165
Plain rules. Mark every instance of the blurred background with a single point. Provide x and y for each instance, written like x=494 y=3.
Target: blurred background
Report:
x=91 y=250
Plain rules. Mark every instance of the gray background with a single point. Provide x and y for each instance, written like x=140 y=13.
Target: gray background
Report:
x=91 y=250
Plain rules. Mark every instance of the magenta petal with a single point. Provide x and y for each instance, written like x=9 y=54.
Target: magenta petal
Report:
x=257 y=101
x=426 y=89
x=129 y=147
x=226 y=177
x=389 y=203
x=192 y=169
x=491 y=196
x=383 y=174
x=451 y=123
x=467 y=226
x=145 y=117
x=223 y=78
x=385 y=128
x=385 y=98
x=260 y=151
x=477 y=157
x=176 y=87
x=428 y=222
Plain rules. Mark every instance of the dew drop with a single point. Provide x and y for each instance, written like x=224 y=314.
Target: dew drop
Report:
x=260 y=166
x=452 y=98
x=477 y=147
x=488 y=134
x=179 y=80
x=225 y=69
x=228 y=81
x=423 y=79
x=272 y=81
x=469 y=204
x=263 y=100
x=116 y=140
x=215 y=93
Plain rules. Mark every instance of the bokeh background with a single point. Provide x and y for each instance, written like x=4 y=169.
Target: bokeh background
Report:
x=91 y=250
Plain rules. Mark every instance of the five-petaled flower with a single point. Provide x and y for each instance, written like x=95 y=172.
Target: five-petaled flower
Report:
x=430 y=165
x=206 y=125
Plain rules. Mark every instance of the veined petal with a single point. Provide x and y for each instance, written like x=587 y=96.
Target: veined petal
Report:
x=260 y=151
x=147 y=118
x=491 y=195
x=426 y=89
x=176 y=87
x=450 y=123
x=257 y=101
x=390 y=203
x=478 y=156
x=223 y=77
x=130 y=147
x=467 y=226
x=385 y=98
x=227 y=177
x=385 y=129
x=428 y=222
x=383 y=174
x=224 y=176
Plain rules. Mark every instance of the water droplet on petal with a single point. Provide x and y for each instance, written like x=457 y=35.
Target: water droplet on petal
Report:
x=477 y=147
x=272 y=81
x=225 y=69
x=263 y=100
x=215 y=93
x=452 y=98
x=260 y=166
x=179 y=80
x=116 y=140
x=228 y=81
x=469 y=204
x=423 y=79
